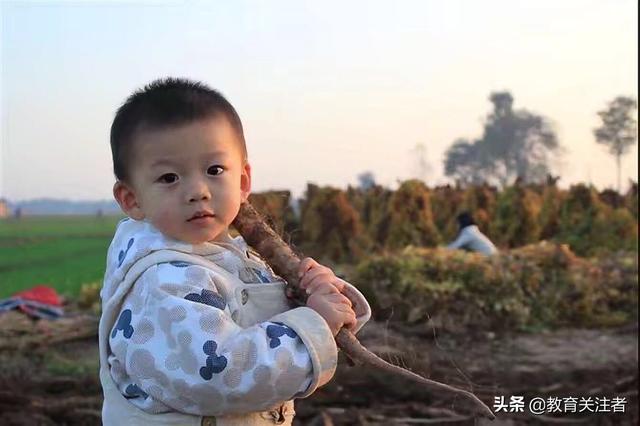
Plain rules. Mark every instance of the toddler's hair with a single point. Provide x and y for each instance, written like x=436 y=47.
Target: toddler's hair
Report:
x=165 y=103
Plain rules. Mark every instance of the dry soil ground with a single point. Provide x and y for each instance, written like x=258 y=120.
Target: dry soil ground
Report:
x=56 y=383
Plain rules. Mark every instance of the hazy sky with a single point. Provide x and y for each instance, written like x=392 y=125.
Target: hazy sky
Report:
x=325 y=89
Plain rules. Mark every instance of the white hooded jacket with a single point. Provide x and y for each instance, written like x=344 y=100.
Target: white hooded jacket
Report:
x=191 y=334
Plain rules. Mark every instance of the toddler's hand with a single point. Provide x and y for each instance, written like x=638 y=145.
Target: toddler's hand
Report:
x=314 y=275
x=325 y=297
x=334 y=307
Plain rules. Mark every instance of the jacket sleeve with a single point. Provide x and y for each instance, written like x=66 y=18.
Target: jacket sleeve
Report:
x=177 y=340
x=358 y=303
x=460 y=242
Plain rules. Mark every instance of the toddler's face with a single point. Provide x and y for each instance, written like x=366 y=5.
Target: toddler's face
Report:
x=189 y=180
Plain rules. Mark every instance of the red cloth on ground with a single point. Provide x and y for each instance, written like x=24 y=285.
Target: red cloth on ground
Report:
x=41 y=294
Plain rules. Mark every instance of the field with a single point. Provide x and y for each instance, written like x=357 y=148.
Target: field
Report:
x=62 y=252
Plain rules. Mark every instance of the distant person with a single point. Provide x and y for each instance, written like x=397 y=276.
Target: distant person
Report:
x=470 y=238
x=196 y=328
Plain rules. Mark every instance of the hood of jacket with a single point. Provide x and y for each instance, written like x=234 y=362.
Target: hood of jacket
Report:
x=134 y=240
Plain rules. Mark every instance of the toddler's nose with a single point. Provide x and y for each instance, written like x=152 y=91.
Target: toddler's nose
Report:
x=200 y=197
x=199 y=192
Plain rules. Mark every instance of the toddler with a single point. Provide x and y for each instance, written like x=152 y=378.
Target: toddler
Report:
x=195 y=327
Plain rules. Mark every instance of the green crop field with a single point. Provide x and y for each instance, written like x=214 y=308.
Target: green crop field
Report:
x=62 y=252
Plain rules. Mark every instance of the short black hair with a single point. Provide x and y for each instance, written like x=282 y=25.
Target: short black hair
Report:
x=163 y=103
x=465 y=219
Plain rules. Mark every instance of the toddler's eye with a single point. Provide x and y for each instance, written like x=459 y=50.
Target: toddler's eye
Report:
x=168 y=178
x=215 y=170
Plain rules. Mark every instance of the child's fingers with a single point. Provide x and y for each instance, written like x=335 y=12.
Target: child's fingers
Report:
x=348 y=317
x=320 y=288
x=321 y=284
x=340 y=299
x=320 y=279
x=351 y=321
x=306 y=264
x=323 y=274
x=310 y=269
x=313 y=273
x=338 y=283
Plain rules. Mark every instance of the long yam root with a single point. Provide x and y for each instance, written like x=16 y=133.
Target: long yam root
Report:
x=284 y=262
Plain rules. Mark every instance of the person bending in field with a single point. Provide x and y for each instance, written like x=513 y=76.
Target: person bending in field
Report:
x=470 y=238
x=195 y=327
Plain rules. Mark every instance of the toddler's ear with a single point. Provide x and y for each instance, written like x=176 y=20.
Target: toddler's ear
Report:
x=245 y=182
x=126 y=198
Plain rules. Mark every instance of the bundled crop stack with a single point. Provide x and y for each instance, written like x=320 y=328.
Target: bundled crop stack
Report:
x=538 y=285
x=344 y=226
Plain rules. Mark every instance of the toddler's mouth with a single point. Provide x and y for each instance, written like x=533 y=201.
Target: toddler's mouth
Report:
x=200 y=215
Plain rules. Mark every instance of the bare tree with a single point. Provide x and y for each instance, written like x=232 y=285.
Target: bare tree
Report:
x=619 y=128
